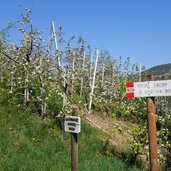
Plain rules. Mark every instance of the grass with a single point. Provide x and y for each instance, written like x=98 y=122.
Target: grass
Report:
x=28 y=144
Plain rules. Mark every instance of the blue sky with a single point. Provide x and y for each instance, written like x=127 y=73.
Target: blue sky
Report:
x=139 y=29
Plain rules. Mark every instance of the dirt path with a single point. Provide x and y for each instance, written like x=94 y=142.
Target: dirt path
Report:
x=117 y=130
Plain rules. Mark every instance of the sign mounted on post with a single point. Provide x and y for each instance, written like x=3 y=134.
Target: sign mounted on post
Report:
x=148 y=88
x=72 y=124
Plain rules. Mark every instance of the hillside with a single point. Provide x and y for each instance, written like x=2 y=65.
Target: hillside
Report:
x=28 y=143
x=161 y=71
x=40 y=84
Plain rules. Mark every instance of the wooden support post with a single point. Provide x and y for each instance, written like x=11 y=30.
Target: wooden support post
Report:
x=74 y=146
x=152 y=131
x=93 y=83
x=56 y=43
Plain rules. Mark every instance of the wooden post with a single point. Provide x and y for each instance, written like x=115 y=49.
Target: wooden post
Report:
x=74 y=146
x=93 y=83
x=152 y=131
x=56 y=43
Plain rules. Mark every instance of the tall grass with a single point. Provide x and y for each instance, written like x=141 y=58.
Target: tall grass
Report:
x=29 y=144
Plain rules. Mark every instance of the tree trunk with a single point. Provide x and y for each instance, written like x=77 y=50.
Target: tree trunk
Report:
x=42 y=90
x=26 y=86
x=73 y=74
x=82 y=77
x=65 y=89
x=112 y=85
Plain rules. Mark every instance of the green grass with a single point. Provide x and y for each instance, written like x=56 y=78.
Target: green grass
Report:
x=28 y=144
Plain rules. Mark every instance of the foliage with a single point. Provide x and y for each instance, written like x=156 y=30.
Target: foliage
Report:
x=139 y=142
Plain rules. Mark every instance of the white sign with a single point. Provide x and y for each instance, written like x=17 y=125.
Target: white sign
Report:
x=72 y=124
x=149 y=88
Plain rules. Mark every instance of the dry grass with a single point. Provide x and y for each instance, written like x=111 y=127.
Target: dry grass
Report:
x=118 y=136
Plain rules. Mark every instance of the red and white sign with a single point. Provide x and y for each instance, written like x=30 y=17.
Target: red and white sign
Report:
x=148 y=88
x=130 y=89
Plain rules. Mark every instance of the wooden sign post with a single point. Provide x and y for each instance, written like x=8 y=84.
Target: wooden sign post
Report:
x=152 y=135
x=74 y=146
x=150 y=89
x=72 y=125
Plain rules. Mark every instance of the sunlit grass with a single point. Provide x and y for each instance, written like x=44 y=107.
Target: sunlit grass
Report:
x=28 y=143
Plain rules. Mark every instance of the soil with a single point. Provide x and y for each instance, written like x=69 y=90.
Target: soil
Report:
x=117 y=130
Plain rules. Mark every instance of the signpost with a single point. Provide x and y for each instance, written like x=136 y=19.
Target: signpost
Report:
x=152 y=135
x=73 y=125
x=150 y=89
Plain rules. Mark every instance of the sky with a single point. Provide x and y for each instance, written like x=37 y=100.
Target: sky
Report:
x=139 y=29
